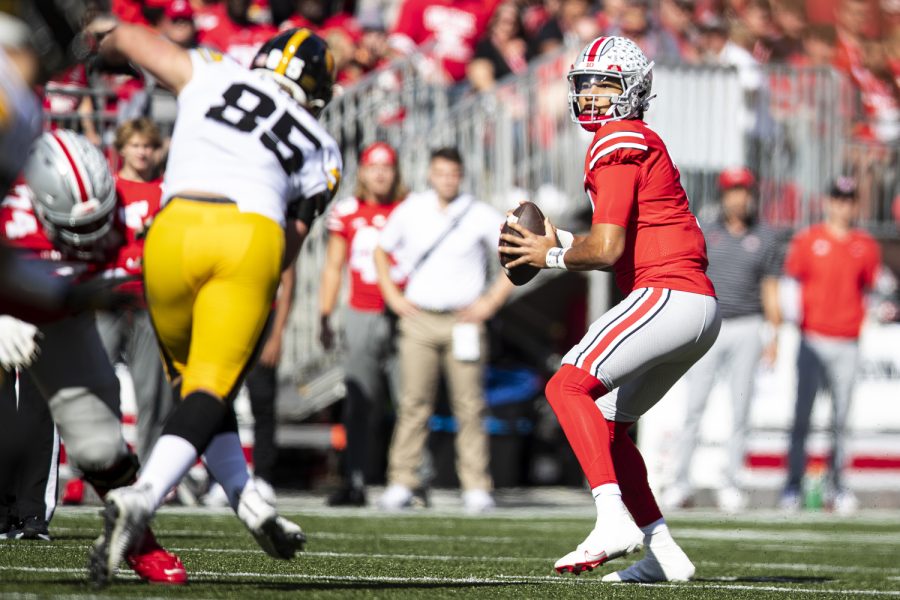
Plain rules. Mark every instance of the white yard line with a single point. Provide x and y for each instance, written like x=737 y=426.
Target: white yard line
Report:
x=500 y=579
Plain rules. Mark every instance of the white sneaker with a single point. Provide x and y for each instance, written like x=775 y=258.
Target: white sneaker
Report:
x=276 y=535
x=845 y=503
x=675 y=497
x=731 y=500
x=396 y=497
x=215 y=497
x=478 y=501
x=790 y=502
x=666 y=564
x=126 y=514
x=616 y=538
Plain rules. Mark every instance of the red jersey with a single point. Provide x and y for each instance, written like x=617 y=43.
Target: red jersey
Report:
x=631 y=181
x=834 y=274
x=138 y=203
x=359 y=224
x=451 y=28
x=241 y=42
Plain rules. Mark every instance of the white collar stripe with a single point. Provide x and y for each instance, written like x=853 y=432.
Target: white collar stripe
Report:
x=613 y=148
x=612 y=136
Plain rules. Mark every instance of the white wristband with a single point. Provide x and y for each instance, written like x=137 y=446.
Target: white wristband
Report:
x=566 y=239
x=555 y=259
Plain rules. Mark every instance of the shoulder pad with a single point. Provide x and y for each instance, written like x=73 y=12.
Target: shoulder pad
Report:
x=619 y=142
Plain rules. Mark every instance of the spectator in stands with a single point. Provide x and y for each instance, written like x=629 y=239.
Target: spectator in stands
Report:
x=370 y=53
x=237 y=35
x=370 y=369
x=501 y=51
x=791 y=22
x=744 y=266
x=442 y=240
x=563 y=26
x=819 y=47
x=639 y=25
x=177 y=24
x=445 y=30
x=834 y=265
x=677 y=17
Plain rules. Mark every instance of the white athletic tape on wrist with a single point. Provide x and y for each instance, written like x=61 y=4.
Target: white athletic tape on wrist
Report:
x=555 y=258
x=566 y=238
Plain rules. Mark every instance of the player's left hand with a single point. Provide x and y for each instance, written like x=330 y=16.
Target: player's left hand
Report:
x=531 y=249
x=271 y=352
x=18 y=344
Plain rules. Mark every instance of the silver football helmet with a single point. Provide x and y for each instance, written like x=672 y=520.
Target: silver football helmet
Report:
x=616 y=59
x=74 y=192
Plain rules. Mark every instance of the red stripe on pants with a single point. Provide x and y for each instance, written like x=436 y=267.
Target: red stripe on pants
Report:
x=620 y=327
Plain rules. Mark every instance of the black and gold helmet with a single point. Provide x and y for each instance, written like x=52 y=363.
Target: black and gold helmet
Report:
x=301 y=62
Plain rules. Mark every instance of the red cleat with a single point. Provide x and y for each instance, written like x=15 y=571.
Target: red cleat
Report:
x=155 y=564
x=74 y=492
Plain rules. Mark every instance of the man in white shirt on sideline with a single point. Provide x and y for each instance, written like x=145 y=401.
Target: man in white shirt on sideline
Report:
x=443 y=239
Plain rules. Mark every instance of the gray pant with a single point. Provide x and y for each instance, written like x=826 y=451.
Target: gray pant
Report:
x=129 y=335
x=371 y=376
x=734 y=355
x=822 y=362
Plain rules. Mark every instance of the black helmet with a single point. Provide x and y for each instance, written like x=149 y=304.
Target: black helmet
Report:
x=301 y=62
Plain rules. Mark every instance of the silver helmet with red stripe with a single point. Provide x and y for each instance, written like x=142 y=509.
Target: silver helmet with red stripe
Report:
x=74 y=192
x=609 y=59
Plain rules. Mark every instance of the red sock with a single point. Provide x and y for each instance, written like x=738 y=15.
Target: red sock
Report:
x=632 y=471
x=571 y=394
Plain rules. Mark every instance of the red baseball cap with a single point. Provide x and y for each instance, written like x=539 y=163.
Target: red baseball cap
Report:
x=733 y=177
x=179 y=9
x=378 y=153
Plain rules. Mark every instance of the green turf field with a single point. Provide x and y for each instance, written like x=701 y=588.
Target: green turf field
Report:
x=363 y=554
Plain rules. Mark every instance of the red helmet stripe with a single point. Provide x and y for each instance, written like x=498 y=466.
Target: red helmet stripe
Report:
x=592 y=53
x=82 y=190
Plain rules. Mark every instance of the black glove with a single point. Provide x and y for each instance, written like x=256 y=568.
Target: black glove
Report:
x=101 y=294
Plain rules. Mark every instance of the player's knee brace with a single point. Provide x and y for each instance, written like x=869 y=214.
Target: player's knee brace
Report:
x=122 y=472
x=198 y=418
x=90 y=427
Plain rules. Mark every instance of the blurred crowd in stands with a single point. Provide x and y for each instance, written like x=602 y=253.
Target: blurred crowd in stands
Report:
x=474 y=43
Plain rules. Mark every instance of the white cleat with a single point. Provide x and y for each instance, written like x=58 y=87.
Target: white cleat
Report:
x=614 y=540
x=477 y=502
x=675 y=497
x=277 y=536
x=396 y=497
x=672 y=564
x=126 y=514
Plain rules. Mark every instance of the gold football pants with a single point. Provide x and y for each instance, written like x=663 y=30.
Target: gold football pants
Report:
x=210 y=276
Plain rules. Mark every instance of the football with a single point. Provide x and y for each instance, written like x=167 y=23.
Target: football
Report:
x=529 y=216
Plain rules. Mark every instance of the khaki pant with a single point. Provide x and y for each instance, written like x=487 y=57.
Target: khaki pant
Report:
x=425 y=349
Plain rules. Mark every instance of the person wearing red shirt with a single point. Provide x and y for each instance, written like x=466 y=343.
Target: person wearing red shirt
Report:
x=446 y=30
x=370 y=363
x=127 y=333
x=236 y=35
x=643 y=230
x=835 y=265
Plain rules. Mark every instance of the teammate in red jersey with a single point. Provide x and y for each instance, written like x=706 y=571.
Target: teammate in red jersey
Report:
x=643 y=230
x=73 y=229
x=236 y=35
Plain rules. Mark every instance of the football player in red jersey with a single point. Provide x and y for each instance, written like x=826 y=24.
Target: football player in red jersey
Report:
x=642 y=229
x=73 y=230
x=354 y=225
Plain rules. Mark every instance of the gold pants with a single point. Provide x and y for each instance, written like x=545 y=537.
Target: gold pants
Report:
x=210 y=276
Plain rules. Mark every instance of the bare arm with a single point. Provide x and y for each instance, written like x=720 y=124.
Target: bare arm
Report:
x=772 y=312
x=294 y=234
x=481 y=74
x=335 y=255
x=393 y=296
x=167 y=62
x=271 y=352
x=600 y=249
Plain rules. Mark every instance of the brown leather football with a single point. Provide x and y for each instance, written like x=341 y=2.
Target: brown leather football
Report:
x=529 y=216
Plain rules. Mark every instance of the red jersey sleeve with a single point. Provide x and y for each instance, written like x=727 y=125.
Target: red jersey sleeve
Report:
x=409 y=23
x=870 y=273
x=613 y=192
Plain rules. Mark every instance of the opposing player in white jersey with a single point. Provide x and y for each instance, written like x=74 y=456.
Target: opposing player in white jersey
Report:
x=248 y=170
